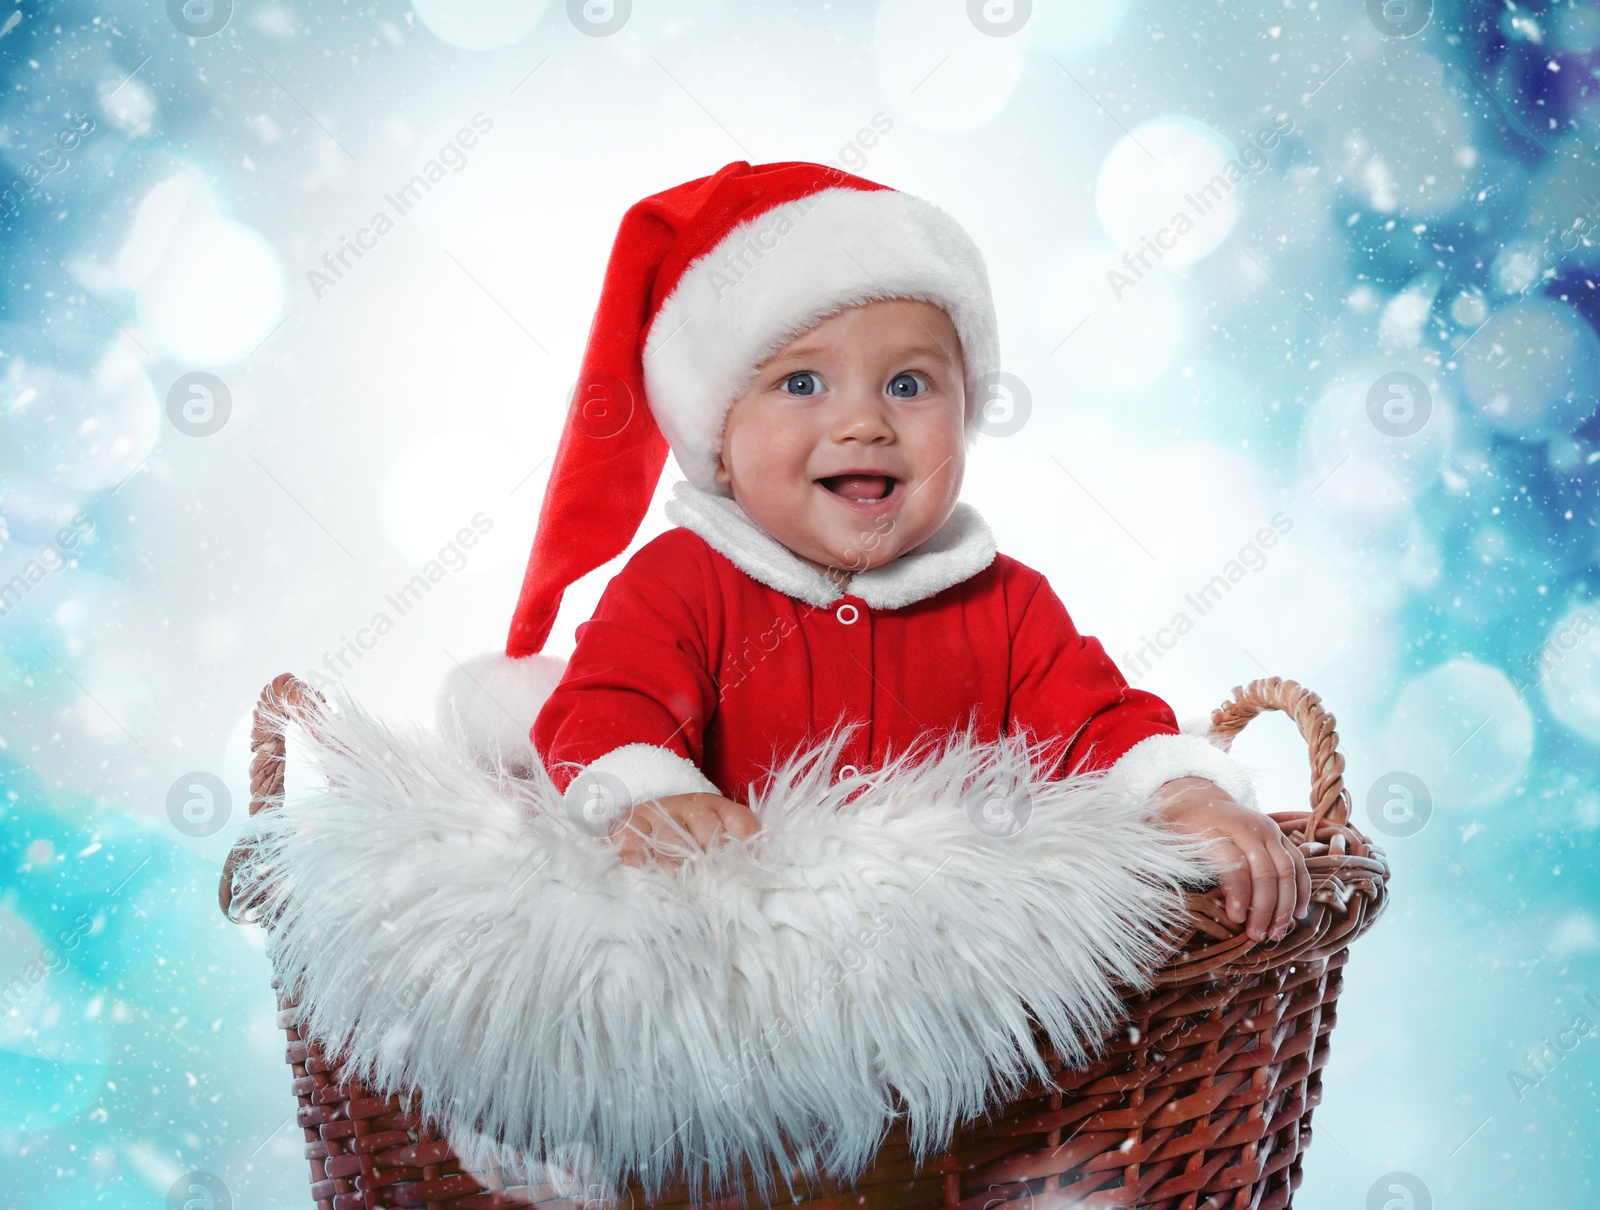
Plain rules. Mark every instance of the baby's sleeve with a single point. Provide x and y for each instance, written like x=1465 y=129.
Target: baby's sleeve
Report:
x=1064 y=686
x=637 y=692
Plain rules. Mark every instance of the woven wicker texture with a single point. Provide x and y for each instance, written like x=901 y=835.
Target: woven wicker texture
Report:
x=1202 y=1102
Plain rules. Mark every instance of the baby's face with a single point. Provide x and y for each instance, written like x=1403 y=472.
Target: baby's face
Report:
x=848 y=445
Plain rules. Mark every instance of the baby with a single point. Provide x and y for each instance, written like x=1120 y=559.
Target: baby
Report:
x=815 y=351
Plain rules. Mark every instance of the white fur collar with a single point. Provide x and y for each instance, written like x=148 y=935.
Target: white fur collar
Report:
x=961 y=548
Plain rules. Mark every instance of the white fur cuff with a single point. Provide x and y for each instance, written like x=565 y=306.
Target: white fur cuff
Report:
x=642 y=772
x=1153 y=762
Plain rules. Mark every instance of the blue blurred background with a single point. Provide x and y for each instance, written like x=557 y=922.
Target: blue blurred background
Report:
x=1321 y=269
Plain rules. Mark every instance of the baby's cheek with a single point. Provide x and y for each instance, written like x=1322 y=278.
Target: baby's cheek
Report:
x=764 y=442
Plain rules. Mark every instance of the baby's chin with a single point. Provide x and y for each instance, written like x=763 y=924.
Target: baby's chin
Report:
x=824 y=532
x=863 y=546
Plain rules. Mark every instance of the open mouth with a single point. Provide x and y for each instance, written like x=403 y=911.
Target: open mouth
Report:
x=860 y=489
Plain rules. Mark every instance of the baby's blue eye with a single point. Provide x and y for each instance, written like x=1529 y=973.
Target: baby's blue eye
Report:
x=803 y=383
x=905 y=386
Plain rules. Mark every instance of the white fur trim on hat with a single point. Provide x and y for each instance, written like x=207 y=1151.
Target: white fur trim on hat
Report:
x=488 y=704
x=777 y=275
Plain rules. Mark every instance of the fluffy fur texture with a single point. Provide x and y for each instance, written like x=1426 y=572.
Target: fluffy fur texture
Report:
x=779 y=274
x=963 y=546
x=458 y=930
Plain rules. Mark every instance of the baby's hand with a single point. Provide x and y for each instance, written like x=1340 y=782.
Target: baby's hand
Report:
x=709 y=818
x=1268 y=873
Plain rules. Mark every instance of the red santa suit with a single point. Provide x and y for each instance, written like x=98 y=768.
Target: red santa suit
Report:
x=716 y=653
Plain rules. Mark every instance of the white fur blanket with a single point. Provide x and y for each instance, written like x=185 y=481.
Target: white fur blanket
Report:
x=453 y=929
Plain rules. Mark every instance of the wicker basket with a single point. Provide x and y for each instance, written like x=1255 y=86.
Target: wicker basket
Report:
x=1202 y=1101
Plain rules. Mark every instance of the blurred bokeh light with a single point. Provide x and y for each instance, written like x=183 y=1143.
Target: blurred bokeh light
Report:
x=1284 y=268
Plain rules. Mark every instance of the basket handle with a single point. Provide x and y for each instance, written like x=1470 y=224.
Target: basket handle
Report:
x=286 y=696
x=1329 y=799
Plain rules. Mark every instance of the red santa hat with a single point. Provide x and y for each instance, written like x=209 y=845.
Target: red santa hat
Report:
x=706 y=280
